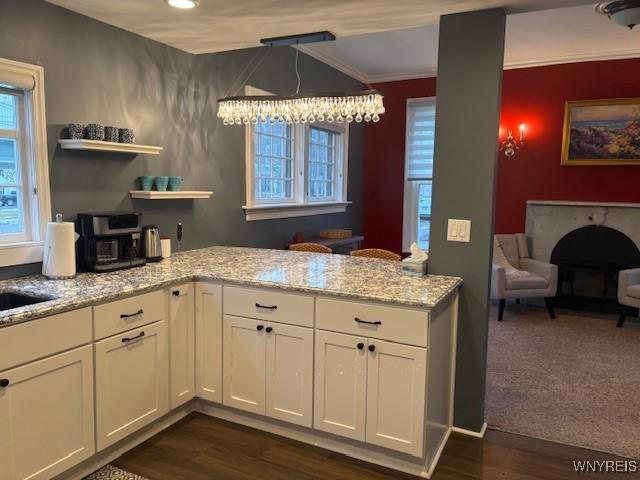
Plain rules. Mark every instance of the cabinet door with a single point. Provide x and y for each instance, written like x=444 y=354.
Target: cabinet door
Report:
x=209 y=341
x=290 y=373
x=340 y=384
x=182 y=344
x=132 y=382
x=243 y=364
x=396 y=396
x=46 y=416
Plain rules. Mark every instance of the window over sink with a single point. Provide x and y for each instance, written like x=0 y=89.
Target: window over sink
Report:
x=295 y=169
x=24 y=181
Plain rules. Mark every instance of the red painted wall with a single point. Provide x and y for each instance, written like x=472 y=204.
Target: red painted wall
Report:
x=383 y=168
x=534 y=96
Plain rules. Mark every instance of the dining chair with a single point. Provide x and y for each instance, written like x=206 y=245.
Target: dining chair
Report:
x=376 y=253
x=309 y=247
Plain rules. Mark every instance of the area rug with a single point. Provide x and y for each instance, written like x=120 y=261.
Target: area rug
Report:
x=111 y=472
x=573 y=380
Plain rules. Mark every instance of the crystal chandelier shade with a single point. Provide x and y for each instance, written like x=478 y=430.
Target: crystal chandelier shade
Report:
x=343 y=107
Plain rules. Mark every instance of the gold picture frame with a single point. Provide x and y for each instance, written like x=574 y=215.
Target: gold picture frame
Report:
x=601 y=132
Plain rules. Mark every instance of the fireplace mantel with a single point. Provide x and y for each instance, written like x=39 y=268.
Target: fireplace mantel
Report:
x=550 y=220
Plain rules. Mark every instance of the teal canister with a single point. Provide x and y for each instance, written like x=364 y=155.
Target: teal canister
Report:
x=161 y=183
x=146 y=182
x=175 y=183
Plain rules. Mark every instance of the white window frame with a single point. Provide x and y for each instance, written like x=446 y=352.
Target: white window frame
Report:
x=411 y=189
x=300 y=204
x=35 y=174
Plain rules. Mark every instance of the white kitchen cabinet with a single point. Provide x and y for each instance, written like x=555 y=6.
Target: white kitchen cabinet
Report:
x=396 y=380
x=244 y=364
x=370 y=390
x=208 y=304
x=289 y=378
x=340 y=384
x=182 y=344
x=132 y=381
x=47 y=416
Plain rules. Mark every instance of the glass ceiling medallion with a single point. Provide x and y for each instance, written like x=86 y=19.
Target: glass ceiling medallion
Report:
x=340 y=107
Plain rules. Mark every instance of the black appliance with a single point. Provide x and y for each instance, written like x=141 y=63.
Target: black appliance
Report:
x=109 y=241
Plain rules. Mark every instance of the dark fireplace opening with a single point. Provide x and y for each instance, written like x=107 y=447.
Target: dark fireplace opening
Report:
x=589 y=259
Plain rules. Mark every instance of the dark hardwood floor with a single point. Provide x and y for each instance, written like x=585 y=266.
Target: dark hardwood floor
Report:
x=203 y=448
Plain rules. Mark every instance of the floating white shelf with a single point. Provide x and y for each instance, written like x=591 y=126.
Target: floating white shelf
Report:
x=97 y=145
x=155 y=195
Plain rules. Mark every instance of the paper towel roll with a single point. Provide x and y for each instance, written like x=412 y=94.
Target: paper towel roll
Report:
x=59 y=257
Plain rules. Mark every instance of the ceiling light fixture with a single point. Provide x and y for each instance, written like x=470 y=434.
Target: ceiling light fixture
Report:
x=183 y=4
x=622 y=12
x=366 y=105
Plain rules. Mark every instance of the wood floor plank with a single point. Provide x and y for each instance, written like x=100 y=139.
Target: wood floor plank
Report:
x=204 y=448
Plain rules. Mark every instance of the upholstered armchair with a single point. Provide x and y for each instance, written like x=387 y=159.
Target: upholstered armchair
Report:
x=628 y=292
x=515 y=275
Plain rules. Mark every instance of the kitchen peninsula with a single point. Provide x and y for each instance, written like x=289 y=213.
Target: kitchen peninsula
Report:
x=342 y=352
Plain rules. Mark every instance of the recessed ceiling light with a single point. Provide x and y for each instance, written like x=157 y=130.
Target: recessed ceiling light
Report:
x=184 y=4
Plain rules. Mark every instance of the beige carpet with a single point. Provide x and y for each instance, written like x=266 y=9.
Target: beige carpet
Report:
x=574 y=380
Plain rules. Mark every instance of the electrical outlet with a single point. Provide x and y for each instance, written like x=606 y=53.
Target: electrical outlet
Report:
x=459 y=230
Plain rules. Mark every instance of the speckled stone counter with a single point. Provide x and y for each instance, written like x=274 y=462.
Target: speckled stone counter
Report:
x=315 y=273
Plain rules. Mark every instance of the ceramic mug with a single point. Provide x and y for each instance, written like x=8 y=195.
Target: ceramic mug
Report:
x=125 y=135
x=111 y=134
x=161 y=183
x=94 y=132
x=175 y=183
x=146 y=182
x=75 y=130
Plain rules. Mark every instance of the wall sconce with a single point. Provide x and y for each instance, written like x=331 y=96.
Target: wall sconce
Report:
x=510 y=144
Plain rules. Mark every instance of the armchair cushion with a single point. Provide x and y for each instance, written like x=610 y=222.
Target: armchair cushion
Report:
x=509 y=246
x=633 y=291
x=530 y=282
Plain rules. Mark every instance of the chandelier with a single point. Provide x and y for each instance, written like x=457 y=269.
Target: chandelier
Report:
x=360 y=106
x=323 y=107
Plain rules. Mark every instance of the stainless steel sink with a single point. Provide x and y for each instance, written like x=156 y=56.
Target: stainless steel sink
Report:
x=9 y=300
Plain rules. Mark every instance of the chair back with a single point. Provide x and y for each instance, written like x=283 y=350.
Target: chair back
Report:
x=376 y=253
x=514 y=247
x=310 y=247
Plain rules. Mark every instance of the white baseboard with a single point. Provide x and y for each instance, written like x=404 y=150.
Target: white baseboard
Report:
x=436 y=457
x=471 y=433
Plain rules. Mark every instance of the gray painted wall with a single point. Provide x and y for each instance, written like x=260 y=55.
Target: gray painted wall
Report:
x=98 y=73
x=468 y=108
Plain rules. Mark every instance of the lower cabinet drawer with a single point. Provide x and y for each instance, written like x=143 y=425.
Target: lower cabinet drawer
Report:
x=29 y=341
x=122 y=315
x=269 y=304
x=396 y=324
x=132 y=382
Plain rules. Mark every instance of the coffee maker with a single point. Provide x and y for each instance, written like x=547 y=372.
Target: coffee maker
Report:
x=109 y=241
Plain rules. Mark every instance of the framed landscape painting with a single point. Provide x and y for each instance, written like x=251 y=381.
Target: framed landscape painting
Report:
x=602 y=132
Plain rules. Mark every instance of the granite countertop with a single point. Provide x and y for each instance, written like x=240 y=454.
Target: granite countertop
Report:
x=315 y=273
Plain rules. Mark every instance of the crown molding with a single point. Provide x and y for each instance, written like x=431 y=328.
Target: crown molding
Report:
x=408 y=75
x=432 y=72
x=334 y=62
x=588 y=57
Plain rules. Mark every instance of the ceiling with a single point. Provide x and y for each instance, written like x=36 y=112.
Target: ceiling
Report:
x=532 y=39
x=218 y=25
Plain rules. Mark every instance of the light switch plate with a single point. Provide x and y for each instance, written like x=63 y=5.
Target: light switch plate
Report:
x=459 y=230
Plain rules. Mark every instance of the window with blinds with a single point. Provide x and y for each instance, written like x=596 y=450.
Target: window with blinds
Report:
x=25 y=206
x=420 y=125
